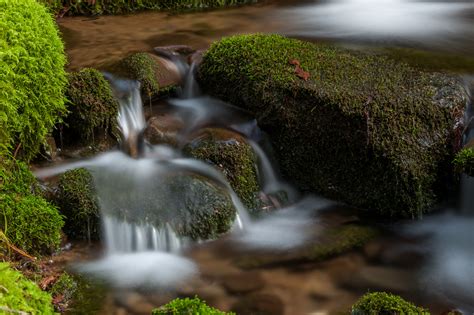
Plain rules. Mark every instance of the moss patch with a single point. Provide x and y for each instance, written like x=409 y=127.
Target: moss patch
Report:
x=77 y=201
x=33 y=78
x=385 y=303
x=187 y=306
x=236 y=160
x=28 y=221
x=93 y=109
x=363 y=129
x=464 y=161
x=18 y=294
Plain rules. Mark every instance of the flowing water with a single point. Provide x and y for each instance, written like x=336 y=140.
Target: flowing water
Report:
x=146 y=262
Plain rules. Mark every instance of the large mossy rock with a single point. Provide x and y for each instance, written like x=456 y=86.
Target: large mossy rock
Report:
x=28 y=221
x=93 y=108
x=19 y=295
x=32 y=79
x=385 y=303
x=355 y=127
x=236 y=160
x=77 y=201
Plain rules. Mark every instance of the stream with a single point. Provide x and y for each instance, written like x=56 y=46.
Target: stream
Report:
x=263 y=262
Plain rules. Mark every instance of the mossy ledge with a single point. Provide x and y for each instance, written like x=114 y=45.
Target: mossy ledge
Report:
x=101 y=7
x=361 y=128
x=385 y=303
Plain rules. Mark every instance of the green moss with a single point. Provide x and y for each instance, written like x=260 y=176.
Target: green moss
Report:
x=236 y=160
x=385 y=303
x=28 y=221
x=363 y=129
x=33 y=78
x=187 y=306
x=464 y=161
x=18 y=294
x=99 y=7
x=333 y=242
x=141 y=67
x=77 y=201
x=93 y=108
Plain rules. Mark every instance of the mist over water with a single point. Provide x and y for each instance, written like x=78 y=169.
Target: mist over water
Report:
x=448 y=273
x=429 y=23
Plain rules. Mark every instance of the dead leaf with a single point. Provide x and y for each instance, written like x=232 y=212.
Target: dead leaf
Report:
x=299 y=72
x=47 y=281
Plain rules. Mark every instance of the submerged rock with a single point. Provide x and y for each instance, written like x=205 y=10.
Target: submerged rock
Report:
x=358 y=128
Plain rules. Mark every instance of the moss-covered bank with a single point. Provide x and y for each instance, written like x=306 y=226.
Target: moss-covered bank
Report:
x=19 y=295
x=359 y=128
x=385 y=303
x=100 y=7
x=32 y=79
x=28 y=221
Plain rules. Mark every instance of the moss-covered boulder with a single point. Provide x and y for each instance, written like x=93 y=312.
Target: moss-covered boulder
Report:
x=385 y=303
x=77 y=201
x=32 y=80
x=464 y=161
x=182 y=306
x=236 y=160
x=93 y=108
x=27 y=220
x=142 y=67
x=355 y=127
x=19 y=295
x=192 y=206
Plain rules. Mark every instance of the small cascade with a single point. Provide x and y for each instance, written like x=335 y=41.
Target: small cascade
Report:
x=122 y=236
x=190 y=86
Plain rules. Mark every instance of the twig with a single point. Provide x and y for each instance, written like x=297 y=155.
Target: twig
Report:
x=16 y=150
x=9 y=310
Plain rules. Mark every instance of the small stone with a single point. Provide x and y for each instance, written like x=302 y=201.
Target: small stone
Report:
x=243 y=282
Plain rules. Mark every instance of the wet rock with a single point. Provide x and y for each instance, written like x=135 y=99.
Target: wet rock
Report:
x=174 y=50
x=196 y=57
x=162 y=130
x=134 y=303
x=242 y=283
x=234 y=158
x=260 y=303
x=372 y=250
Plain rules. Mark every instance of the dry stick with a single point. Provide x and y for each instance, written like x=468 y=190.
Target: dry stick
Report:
x=16 y=150
x=9 y=310
x=21 y=252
